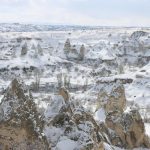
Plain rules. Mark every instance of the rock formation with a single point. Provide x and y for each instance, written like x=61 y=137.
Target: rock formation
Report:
x=71 y=51
x=137 y=34
x=77 y=125
x=129 y=130
x=22 y=127
x=127 y=127
x=64 y=93
x=112 y=97
x=20 y=124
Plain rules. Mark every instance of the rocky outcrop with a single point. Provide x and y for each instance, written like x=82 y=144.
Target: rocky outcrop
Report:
x=112 y=97
x=129 y=130
x=77 y=125
x=137 y=34
x=126 y=127
x=64 y=93
x=72 y=52
x=20 y=125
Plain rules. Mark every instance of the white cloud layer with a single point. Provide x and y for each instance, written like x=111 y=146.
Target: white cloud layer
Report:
x=71 y=12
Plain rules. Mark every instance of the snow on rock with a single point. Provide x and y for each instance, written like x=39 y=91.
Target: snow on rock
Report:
x=100 y=115
x=66 y=145
x=54 y=107
x=147 y=129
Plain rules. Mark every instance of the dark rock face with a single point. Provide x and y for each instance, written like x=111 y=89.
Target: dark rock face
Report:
x=21 y=125
x=138 y=34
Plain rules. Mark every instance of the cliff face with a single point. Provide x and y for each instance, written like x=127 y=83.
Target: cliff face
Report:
x=20 y=124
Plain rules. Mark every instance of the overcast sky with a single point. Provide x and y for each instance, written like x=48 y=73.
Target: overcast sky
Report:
x=77 y=12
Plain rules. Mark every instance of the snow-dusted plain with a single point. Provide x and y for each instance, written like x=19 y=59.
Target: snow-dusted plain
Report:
x=110 y=53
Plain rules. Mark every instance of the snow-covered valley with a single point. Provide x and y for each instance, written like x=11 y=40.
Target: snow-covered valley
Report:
x=90 y=87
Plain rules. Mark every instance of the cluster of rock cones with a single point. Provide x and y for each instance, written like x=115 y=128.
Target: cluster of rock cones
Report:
x=21 y=126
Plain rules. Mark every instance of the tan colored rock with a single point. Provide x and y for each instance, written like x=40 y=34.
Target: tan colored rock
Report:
x=129 y=127
x=21 y=125
x=64 y=93
x=147 y=141
x=112 y=99
x=18 y=138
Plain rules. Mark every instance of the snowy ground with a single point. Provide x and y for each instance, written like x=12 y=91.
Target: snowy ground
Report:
x=99 y=45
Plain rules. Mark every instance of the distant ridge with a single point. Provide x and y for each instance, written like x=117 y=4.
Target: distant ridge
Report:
x=27 y=27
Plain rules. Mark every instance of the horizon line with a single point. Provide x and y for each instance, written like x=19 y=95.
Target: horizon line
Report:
x=61 y=24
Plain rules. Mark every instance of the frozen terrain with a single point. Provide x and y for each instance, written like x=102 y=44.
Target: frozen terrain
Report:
x=39 y=55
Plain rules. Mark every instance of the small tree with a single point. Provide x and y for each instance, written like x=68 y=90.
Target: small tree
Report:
x=67 y=46
x=85 y=84
x=121 y=69
x=33 y=47
x=59 y=80
x=13 y=53
x=66 y=81
x=37 y=74
x=82 y=52
x=24 y=49
x=40 y=50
